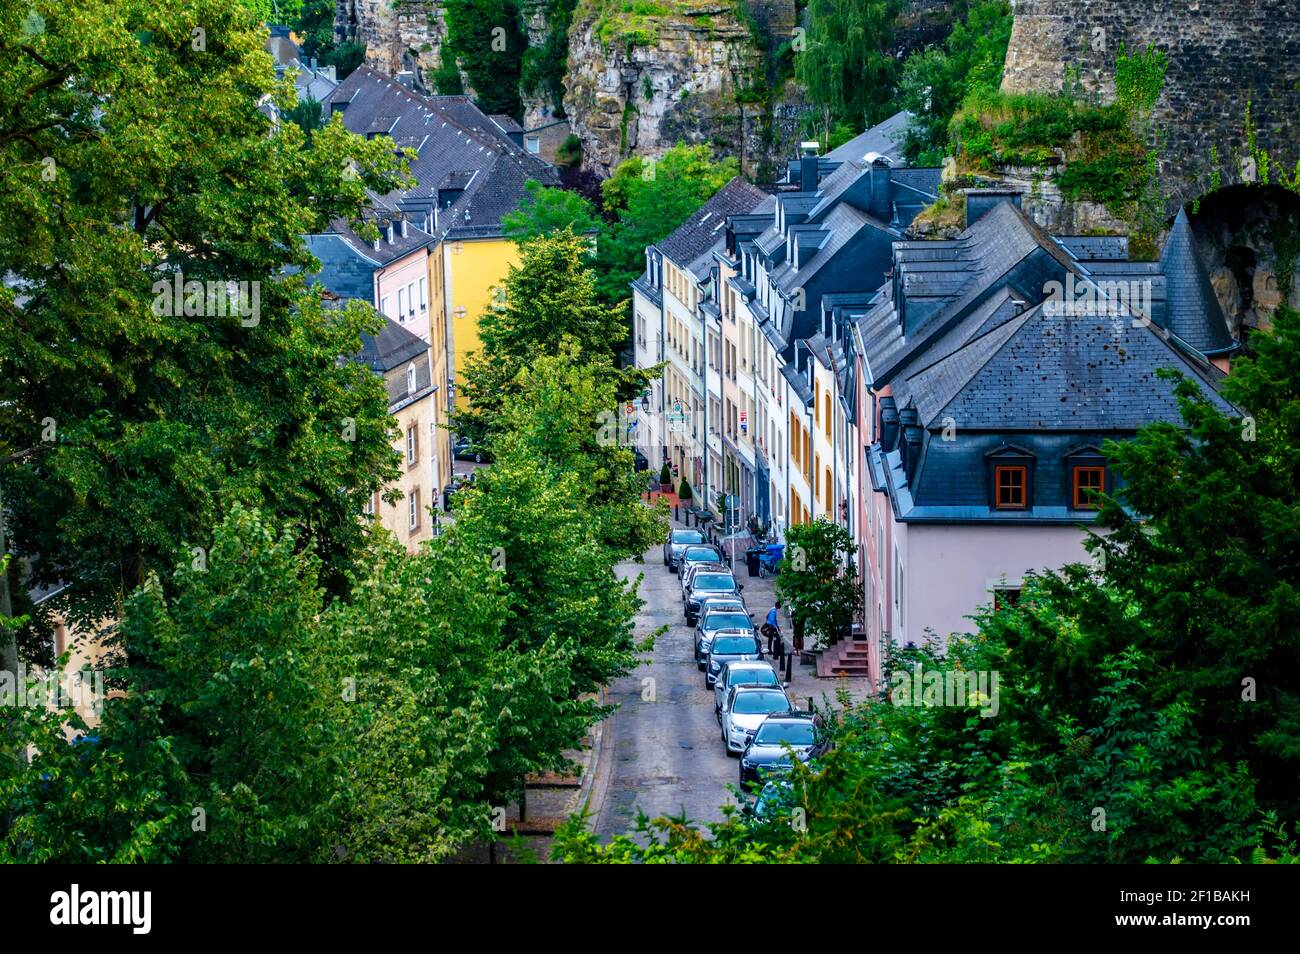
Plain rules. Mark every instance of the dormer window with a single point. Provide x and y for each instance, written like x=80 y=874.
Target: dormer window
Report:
x=1011 y=478
x=410 y=380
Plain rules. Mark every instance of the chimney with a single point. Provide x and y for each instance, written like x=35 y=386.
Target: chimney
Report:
x=882 y=189
x=888 y=424
x=808 y=173
x=980 y=201
x=911 y=449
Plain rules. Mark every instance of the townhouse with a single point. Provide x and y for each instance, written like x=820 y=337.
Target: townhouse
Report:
x=991 y=370
x=826 y=237
x=694 y=418
x=401 y=358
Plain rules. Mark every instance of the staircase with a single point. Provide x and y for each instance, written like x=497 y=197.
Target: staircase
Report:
x=847 y=657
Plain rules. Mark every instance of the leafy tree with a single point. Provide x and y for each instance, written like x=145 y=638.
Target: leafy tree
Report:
x=847 y=68
x=307 y=115
x=816 y=576
x=315 y=24
x=547 y=299
x=172 y=417
x=547 y=210
x=935 y=81
x=486 y=39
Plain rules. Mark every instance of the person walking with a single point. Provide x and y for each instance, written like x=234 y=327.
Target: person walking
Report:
x=772 y=628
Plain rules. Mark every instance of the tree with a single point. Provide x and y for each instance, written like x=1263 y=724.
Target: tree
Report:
x=183 y=403
x=935 y=82
x=486 y=40
x=816 y=576
x=547 y=210
x=847 y=68
x=547 y=299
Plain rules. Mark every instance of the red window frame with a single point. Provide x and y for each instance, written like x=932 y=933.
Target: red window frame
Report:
x=1022 y=486
x=1084 y=501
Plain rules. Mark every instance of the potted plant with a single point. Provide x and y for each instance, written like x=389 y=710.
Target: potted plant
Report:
x=684 y=491
x=665 y=479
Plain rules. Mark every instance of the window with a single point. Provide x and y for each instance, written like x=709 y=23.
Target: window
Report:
x=1010 y=484
x=1088 y=483
x=410 y=380
x=413 y=509
x=401 y=304
x=1004 y=596
x=424 y=300
x=383 y=307
x=534 y=144
x=412 y=443
x=410 y=298
x=369 y=508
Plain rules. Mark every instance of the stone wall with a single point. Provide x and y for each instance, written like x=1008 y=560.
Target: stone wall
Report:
x=398 y=36
x=1222 y=55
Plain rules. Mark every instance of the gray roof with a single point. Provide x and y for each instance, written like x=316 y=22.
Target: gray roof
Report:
x=391 y=348
x=691 y=244
x=449 y=135
x=1192 y=310
x=885 y=137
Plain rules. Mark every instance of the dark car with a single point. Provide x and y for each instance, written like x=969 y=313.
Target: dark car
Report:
x=767 y=753
x=711 y=622
x=730 y=646
x=697 y=553
x=678 y=541
x=465 y=449
x=709 y=583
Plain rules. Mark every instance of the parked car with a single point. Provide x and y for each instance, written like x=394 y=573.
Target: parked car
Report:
x=465 y=449
x=745 y=710
x=712 y=620
x=767 y=753
x=689 y=572
x=754 y=672
x=697 y=553
x=677 y=542
x=709 y=583
x=776 y=800
x=730 y=647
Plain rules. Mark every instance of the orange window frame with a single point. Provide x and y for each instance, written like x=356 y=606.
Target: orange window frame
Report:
x=1093 y=473
x=1022 y=486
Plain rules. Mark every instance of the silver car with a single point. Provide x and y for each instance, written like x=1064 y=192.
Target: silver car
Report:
x=730 y=647
x=745 y=710
x=709 y=583
x=677 y=542
x=713 y=620
x=697 y=553
x=756 y=672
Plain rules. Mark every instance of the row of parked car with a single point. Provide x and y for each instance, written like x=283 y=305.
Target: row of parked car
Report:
x=756 y=718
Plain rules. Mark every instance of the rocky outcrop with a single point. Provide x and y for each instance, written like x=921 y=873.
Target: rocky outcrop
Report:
x=685 y=73
x=400 y=35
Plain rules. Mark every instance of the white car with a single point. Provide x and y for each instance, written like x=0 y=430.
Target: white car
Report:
x=745 y=710
x=752 y=672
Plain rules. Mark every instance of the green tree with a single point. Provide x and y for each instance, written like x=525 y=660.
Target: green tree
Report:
x=817 y=577
x=547 y=210
x=935 y=81
x=847 y=68
x=138 y=160
x=486 y=39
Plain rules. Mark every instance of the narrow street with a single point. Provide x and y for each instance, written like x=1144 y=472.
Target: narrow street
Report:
x=661 y=751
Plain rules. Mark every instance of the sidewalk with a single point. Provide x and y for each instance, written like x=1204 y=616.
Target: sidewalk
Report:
x=760 y=596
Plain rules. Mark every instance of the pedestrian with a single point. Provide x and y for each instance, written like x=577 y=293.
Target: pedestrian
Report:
x=772 y=627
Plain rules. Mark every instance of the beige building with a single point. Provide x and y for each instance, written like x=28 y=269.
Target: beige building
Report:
x=403 y=359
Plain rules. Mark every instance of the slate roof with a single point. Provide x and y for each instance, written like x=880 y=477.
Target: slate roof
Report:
x=381 y=212
x=691 y=244
x=1192 y=309
x=449 y=135
x=885 y=137
x=391 y=348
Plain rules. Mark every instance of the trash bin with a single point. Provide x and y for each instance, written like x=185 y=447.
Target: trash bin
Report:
x=751 y=559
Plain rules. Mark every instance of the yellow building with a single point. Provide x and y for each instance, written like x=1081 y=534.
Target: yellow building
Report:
x=469 y=173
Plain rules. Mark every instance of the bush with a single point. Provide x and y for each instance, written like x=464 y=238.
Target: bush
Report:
x=665 y=475
x=684 y=491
